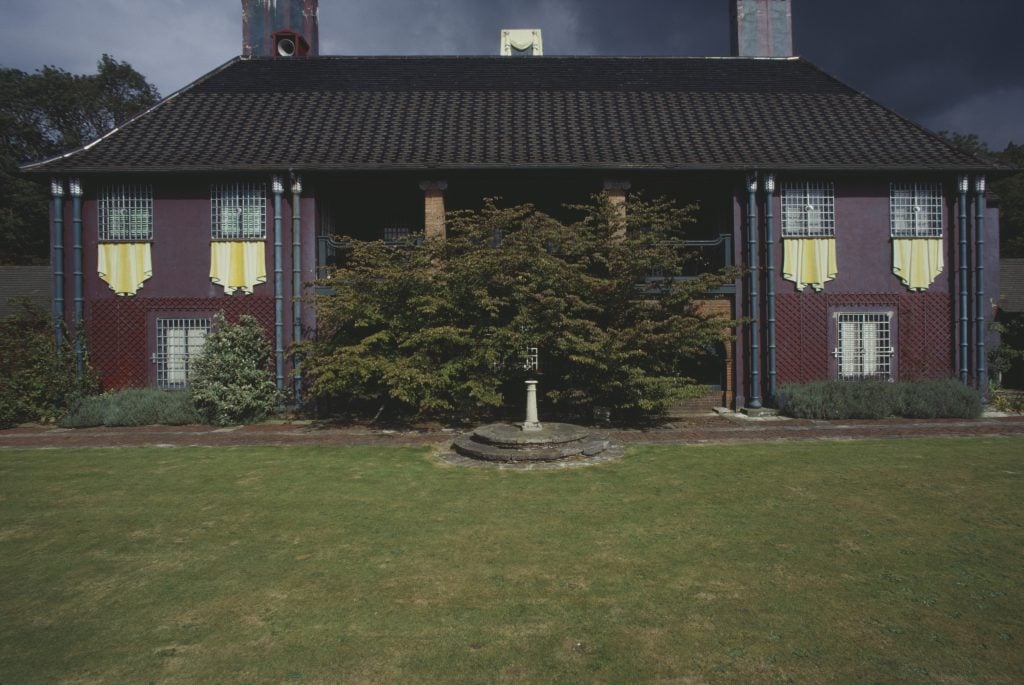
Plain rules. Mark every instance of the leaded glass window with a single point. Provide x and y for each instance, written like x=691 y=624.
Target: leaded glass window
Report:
x=915 y=210
x=238 y=211
x=178 y=342
x=864 y=345
x=808 y=210
x=125 y=213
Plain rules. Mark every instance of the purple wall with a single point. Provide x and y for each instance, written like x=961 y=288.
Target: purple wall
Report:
x=118 y=327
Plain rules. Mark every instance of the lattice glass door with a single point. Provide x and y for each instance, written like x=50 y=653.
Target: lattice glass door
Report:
x=177 y=342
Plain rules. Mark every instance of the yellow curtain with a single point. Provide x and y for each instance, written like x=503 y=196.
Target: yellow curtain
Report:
x=917 y=261
x=809 y=261
x=238 y=265
x=124 y=266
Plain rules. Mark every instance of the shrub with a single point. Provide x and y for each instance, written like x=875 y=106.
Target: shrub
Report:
x=442 y=329
x=231 y=381
x=36 y=383
x=133 y=407
x=941 y=398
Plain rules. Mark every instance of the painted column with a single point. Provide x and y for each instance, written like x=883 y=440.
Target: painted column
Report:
x=616 y=191
x=532 y=422
x=76 y=247
x=769 y=267
x=433 y=208
x=278 y=286
x=979 y=290
x=964 y=185
x=57 y=193
x=754 y=401
x=296 y=283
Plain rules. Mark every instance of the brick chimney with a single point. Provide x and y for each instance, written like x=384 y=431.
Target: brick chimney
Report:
x=761 y=28
x=280 y=28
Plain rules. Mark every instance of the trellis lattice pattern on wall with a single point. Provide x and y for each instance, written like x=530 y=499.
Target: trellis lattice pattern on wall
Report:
x=118 y=335
x=924 y=346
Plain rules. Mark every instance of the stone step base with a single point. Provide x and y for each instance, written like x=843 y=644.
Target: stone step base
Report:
x=588 y=447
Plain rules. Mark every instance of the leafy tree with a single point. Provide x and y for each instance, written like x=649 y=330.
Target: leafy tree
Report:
x=231 y=380
x=441 y=329
x=43 y=114
x=1008 y=188
x=35 y=383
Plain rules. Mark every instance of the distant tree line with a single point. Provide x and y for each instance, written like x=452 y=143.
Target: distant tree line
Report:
x=1007 y=190
x=43 y=114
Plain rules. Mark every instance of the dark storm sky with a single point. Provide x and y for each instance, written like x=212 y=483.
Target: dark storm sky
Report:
x=947 y=64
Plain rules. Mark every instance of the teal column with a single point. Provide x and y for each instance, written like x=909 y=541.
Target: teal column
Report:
x=769 y=268
x=296 y=284
x=964 y=185
x=76 y=252
x=278 y=188
x=57 y=219
x=754 y=401
x=979 y=288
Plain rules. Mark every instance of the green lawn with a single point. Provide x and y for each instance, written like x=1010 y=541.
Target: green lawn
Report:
x=802 y=562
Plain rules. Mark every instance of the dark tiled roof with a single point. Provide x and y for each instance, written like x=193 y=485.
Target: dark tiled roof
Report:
x=1011 y=285
x=358 y=113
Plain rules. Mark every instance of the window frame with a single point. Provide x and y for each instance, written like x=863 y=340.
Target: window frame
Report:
x=168 y=364
x=124 y=213
x=924 y=204
x=884 y=356
x=240 y=202
x=799 y=199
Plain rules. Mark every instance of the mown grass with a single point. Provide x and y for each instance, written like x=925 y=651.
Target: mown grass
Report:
x=799 y=562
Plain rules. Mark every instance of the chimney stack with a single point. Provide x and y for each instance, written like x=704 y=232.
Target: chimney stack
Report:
x=761 y=28
x=280 y=28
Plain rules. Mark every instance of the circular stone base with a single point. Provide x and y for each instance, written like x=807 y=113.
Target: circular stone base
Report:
x=512 y=435
x=506 y=443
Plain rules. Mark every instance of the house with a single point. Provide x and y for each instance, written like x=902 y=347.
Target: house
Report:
x=868 y=248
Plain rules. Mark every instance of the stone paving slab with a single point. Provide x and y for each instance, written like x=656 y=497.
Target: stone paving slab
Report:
x=710 y=428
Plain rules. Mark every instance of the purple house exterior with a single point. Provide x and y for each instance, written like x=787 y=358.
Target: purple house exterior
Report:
x=868 y=248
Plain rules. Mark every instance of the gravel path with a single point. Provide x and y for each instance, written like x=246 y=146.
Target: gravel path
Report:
x=709 y=428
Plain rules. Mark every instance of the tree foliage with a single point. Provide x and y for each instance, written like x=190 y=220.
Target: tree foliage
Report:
x=35 y=383
x=43 y=114
x=1009 y=189
x=231 y=381
x=441 y=329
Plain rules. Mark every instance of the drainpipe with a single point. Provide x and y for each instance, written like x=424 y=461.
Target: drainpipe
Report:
x=979 y=290
x=296 y=283
x=964 y=185
x=57 y=193
x=278 y=286
x=754 y=402
x=769 y=267
x=76 y=227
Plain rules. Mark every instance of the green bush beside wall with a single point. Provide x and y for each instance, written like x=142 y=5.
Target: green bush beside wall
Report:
x=925 y=399
x=133 y=407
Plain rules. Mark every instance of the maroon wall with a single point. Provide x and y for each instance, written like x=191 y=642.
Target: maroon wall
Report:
x=120 y=330
x=924 y=321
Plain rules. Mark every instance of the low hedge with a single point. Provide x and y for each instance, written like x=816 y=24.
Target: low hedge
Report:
x=133 y=407
x=925 y=399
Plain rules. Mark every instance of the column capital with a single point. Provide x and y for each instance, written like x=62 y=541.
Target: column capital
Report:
x=433 y=185
x=76 y=187
x=297 y=185
x=56 y=187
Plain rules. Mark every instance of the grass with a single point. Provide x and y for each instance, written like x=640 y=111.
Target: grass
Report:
x=799 y=562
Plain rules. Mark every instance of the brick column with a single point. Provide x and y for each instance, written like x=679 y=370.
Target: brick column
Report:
x=615 y=191
x=433 y=208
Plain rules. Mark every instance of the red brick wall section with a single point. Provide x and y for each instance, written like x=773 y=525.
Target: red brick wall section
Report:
x=924 y=345
x=118 y=335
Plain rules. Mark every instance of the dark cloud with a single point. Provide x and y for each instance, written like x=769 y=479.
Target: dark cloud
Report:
x=948 y=64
